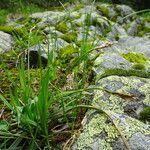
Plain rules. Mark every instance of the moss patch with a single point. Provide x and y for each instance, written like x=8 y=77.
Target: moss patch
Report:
x=121 y=72
x=3 y=16
x=135 y=58
x=68 y=50
x=104 y=10
x=12 y=30
x=145 y=114
x=62 y=27
x=69 y=37
x=138 y=66
x=143 y=31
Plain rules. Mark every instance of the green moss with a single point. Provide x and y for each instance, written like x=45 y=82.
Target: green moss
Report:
x=103 y=9
x=121 y=72
x=145 y=114
x=143 y=31
x=12 y=30
x=89 y=43
x=78 y=7
x=68 y=50
x=138 y=66
x=135 y=57
x=62 y=27
x=3 y=16
x=69 y=37
x=146 y=16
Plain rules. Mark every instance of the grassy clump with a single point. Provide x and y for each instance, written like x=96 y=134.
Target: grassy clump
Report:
x=135 y=57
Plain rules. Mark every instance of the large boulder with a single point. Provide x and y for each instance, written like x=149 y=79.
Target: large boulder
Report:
x=6 y=42
x=130 y=56
x=122 y=99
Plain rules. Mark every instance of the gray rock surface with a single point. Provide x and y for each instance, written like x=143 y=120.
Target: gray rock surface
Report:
x=6 y=42
x=122 y=70
x=126 y=45
x=122 y=99
x=48 y=17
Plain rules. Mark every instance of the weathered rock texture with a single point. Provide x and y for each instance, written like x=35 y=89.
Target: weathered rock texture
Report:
x=122 y=70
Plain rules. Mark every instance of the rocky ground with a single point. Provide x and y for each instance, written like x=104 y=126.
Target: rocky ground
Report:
x=122 y=69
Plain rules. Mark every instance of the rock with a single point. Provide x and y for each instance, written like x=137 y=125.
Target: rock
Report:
x=133 y=91
x=48 y=17
x=41 y=51
x=122 y=98
x=124 y=14
x=52 y=31
x=134 y=27
x=129 y=57
x=116 y=33
x=99 y=134
x=124 y=10
x=142 y=144
x=6 y=42
x=37 y=54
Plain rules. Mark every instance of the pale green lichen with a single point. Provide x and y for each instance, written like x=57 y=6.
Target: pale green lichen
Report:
x=145 y=89
x=135 y=57
x=93 y=129
x=99 y=127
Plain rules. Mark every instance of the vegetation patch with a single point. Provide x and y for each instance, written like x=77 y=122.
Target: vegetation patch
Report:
x=139 y=66
x=3 y=16
x=62 y=27
x=135 y=57
x=145 y=114
x=68 y=50
x=103 y=9
x=69 y=37
x=12 y=30
x=122 y=72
